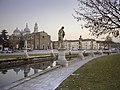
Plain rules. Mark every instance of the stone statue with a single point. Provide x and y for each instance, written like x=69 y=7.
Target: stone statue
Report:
x=61 y=50
x=61 y=35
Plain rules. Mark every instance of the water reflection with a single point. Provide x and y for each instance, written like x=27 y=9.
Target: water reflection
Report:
x=4 y=71
x=7 y=76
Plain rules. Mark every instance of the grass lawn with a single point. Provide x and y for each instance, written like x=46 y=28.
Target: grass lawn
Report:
x=9 y=56
x=22 y=55
x=99 y=74
x=19 y=55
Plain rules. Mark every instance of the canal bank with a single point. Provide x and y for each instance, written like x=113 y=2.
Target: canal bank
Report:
x=17 y=69
x=51 y=80
x=5 y=63
x=21 y=72
x=11 y=62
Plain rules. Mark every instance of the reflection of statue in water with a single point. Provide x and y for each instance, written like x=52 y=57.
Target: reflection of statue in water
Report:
x=61 y=35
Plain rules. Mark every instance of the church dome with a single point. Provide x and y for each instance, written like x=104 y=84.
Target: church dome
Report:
x=16 y=31
x=26 y=28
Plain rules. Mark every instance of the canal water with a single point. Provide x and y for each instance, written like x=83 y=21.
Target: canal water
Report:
x=12 y=74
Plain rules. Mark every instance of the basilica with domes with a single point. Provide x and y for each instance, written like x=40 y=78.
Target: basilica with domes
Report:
x=35 y=40
x=19 y=32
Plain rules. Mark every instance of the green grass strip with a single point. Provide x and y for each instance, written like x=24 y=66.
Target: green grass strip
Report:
x=19 y=55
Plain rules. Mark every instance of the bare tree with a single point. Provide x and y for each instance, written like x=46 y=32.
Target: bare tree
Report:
x=100 y=16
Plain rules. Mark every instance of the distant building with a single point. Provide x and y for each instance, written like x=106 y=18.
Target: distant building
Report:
x=86 y=44
x=42 y=41
x=15 y=38
x=72 y=44
x=55 y=44
x=17 y=32
x=35 y=40
x=26 y=30
x=82 y=44
x=105 y=45
x=89 y=44
x=35 y=28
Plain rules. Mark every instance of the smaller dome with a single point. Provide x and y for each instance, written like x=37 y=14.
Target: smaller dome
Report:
x=16 y=31
x=26 y=28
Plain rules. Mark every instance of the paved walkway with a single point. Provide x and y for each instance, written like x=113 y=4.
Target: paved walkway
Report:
x=51 y=80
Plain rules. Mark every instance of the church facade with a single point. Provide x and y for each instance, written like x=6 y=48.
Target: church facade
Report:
x=35 y=40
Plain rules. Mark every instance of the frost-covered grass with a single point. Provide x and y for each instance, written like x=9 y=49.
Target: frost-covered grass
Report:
x=99 y=74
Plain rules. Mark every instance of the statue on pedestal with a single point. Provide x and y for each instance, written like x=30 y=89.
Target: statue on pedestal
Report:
x=80 y=54
x=61 y=55
x=61 y=35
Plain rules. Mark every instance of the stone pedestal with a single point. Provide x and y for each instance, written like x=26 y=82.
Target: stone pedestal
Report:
x=52 y=53
x=25 y=51
x=61 y=58
x=92 y=53
x=26 y=54
x=61 y=51
x=101 y=52
x=69 y=52
x=80 y=55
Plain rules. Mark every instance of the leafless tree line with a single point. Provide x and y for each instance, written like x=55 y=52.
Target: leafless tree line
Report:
x=100 y=16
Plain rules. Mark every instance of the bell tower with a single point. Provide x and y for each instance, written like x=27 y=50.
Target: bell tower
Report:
x=35 y=28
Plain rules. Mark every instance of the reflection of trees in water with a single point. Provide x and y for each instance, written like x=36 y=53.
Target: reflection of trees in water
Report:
x=4 y=71
x=17 y=70
x=26 y=68
x=42 y=65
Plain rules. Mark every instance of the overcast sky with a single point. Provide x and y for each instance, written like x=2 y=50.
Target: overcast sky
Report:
x=49 y=14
